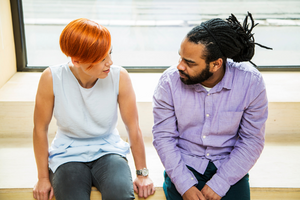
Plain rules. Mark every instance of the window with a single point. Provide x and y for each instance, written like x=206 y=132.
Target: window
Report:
x=146 y=34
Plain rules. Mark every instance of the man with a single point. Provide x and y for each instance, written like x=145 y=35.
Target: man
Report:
x=210 y=113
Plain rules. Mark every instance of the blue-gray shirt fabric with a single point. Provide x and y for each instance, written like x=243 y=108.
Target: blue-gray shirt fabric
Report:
x=86 y=118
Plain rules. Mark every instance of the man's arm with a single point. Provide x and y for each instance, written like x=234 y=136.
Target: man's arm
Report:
x=166 y=138
x=249 y=144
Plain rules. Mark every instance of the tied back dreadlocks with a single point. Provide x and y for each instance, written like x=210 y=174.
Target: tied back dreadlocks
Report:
x=226 y=39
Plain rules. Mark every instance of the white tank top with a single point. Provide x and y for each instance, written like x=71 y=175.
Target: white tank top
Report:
x=86 y=118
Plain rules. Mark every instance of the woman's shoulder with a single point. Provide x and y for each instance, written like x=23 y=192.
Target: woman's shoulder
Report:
x=118 y=72
x=58 y=68
x=116 y=67
x=46 y=75
x=45 y=84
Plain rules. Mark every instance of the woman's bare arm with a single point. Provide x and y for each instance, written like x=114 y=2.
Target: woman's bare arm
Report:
x=127 y=103
x=42 y=116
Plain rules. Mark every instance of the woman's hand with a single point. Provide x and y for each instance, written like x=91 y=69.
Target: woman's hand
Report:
x=43 y=190
x=143 y=186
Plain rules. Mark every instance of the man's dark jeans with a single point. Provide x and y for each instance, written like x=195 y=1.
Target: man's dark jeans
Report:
x=239 y=191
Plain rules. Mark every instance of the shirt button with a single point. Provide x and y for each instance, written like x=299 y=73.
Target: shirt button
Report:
x=208 y=94
x=207 y=115
x=192 y=178
x=207 y=154
x=204 y=136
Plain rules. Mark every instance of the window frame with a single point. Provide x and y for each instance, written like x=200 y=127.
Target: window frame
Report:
x=21 y=51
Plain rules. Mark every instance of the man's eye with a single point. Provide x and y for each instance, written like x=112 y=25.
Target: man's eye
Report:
x=186 y=62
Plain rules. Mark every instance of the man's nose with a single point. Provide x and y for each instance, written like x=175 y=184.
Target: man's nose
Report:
x=180 y=65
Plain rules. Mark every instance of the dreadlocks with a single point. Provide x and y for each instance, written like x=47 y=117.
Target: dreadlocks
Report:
x=226 y=39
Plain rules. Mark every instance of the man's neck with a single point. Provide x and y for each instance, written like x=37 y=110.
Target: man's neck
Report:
x=215 y=78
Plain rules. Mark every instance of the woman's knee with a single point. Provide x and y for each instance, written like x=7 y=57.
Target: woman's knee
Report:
x=112 y=176
x=120 y=187
x=111 y=168
x=67 y=183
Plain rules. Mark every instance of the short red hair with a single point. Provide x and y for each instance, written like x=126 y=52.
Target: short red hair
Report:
x=85 y=40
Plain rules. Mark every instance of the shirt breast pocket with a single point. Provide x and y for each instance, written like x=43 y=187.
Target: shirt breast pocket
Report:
x=228 y=122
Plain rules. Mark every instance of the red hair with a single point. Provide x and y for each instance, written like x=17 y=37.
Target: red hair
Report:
x=85 y=40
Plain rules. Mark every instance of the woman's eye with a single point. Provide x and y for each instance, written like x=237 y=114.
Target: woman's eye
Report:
x=109 y=53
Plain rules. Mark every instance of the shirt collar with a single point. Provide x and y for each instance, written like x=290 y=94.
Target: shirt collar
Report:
x=226 y=81
x=197 y=87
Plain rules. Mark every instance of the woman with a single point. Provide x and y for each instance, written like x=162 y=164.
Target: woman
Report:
x=83 y=95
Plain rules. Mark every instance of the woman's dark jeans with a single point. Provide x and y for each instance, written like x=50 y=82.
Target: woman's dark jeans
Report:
x=110 y=174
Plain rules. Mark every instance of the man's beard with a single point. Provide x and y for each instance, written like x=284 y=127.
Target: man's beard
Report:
x=203 y=76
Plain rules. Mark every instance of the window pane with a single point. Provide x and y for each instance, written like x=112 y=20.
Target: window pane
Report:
x=149 y=32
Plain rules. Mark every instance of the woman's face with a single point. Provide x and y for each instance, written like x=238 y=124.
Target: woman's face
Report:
x=98 y=70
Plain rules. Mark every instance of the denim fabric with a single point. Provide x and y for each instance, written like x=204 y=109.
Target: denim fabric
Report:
x=239 y=191
x=110 y=174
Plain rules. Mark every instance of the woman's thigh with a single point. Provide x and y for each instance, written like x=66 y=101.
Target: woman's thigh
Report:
x=72 y=180
x=112 y=177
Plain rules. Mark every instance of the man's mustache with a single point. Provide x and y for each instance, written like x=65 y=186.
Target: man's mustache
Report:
x=182 y=72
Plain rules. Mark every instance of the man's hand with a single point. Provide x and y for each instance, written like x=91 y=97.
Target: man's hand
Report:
x=209 y=194
x=193 y=194
x=43 y=190
x=143 y=186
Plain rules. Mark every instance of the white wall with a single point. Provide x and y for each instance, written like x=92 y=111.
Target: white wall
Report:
x=7 y=47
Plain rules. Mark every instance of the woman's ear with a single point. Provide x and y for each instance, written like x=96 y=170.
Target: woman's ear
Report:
x=75 y=62
x=216 y=65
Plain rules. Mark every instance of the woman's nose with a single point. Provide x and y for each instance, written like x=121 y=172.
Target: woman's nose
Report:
x=109 y=61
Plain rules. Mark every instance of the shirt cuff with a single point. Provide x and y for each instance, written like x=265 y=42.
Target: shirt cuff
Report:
x=183 y=185
x=218 y=185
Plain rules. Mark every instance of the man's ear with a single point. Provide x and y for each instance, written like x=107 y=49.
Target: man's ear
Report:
x=216 y=65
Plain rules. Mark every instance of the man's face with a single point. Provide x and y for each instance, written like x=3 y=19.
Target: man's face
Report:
x=192 y=67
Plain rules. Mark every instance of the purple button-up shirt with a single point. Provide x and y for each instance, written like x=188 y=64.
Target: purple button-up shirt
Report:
x=225 y=126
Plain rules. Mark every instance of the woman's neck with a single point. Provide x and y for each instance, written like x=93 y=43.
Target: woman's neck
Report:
x=83 y=79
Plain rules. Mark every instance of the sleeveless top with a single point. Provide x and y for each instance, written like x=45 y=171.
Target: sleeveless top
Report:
x=86 y=118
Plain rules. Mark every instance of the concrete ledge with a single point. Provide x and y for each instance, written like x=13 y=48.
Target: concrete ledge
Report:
x=256 y=194
x=26 y=194
x=18 y=94
x=16 y=119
